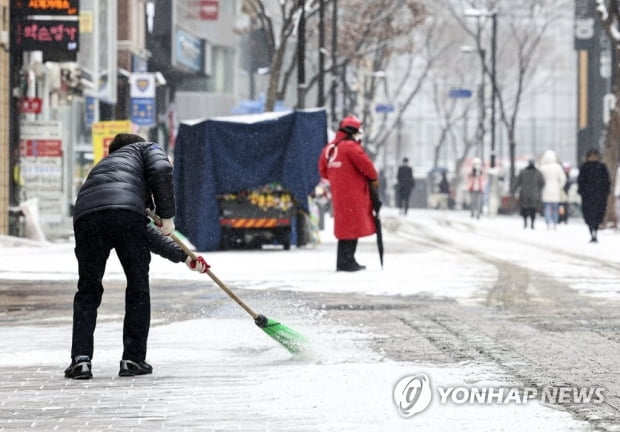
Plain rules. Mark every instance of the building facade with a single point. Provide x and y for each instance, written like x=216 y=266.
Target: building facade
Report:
x=5 y=174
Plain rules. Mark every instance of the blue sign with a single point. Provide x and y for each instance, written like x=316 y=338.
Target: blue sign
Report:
x=384 y=108
x=460 y=93
x=90 y=110
x=189 y=51
x=142 y=111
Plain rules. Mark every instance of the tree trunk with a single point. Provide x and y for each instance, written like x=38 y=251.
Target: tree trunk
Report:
x=274 y=78
x=512 y=175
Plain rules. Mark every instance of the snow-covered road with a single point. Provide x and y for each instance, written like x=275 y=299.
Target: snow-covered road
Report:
x=217 y=371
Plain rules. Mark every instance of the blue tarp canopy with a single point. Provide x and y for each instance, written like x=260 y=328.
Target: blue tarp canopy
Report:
x=231 y=154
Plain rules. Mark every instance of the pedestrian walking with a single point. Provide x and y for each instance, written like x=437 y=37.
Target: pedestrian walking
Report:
x=593 y=184
x=564 y=206
x=444 y=192
x=555 y=179
x=110 y=214
x=475 y=186
x=351 y=174
x=404 y=185
x=444 y=185
x=617 y=196
x=529 y=184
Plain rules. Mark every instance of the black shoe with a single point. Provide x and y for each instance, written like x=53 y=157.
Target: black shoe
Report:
x=132 y=368
x=80 y=368
x=351 y=268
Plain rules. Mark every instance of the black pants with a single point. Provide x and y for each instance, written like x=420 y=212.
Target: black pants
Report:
x=96 y=234
x=403 y=198
x=528 y=212
x=346 y=253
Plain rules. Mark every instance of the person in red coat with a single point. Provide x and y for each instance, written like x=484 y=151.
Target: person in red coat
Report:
x=351 y=174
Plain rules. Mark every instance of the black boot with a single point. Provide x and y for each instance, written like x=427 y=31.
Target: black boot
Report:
x=346 y=256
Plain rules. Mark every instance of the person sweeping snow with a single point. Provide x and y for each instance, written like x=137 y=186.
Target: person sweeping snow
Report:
x=110 y=213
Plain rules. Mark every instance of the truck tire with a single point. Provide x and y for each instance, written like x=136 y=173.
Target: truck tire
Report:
x=225 y=240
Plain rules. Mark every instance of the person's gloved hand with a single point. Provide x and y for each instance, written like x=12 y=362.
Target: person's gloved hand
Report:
x=166 y=226
x=199 y=264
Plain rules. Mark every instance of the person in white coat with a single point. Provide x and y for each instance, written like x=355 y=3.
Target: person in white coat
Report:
x=555 y=179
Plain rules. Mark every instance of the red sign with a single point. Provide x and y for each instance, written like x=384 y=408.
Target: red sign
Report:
x=30 y=105
x=47 y=7
x=41 y=147
x=57 y=39
x=41 y=33
x=209 y=9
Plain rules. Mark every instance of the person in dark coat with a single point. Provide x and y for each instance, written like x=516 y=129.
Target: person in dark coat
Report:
x=444 y=184
x=110 y=213
x=404 y=185
x=351 y=174
x=529 y=184
x=593 y=184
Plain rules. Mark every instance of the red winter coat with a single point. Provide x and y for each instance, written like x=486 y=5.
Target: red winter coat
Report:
x=349 y=169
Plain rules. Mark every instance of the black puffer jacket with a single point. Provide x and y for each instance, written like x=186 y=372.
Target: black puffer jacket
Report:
x=126 y=179
x=164 y=246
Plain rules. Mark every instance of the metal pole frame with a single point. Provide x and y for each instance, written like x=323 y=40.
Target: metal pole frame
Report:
x=482 y=97
x=494 y=85
x=301 y=57
x=321 y=81
x=334 y=86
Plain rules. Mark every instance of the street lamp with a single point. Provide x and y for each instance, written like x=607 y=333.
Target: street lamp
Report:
x=482 y=13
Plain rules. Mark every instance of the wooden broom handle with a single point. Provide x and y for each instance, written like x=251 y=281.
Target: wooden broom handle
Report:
x=213 y=277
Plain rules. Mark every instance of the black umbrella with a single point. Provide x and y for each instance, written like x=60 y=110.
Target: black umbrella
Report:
x=376 y=207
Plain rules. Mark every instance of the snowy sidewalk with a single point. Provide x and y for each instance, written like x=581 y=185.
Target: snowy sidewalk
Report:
x=221 y=373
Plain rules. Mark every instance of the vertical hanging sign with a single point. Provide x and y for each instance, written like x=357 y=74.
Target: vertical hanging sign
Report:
x=41 y=161
x=142 y=97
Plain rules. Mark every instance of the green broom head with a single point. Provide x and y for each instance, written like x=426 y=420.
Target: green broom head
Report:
x=291 y=340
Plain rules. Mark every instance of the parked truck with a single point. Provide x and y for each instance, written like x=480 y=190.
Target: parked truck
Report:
x=244 y=181
x=257 y=217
